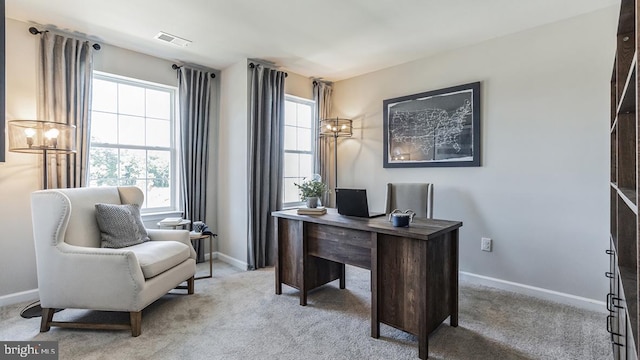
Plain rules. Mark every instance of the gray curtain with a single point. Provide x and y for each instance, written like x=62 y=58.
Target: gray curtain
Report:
x=195 y=104
x=266 y=125
x=65 y=76
x=322 y=96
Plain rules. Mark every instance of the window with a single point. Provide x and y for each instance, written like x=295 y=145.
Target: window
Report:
x=299 y=146
x=132 y=138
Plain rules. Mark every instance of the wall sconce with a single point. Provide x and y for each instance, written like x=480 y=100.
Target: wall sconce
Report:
x=336 y=127
x=41 y=137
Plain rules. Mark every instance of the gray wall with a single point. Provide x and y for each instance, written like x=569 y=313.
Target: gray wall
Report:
x=542 y=190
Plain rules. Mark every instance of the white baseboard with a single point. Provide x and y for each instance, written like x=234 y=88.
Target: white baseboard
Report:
x=231 y=261
x=545 y=294
x=15 y=298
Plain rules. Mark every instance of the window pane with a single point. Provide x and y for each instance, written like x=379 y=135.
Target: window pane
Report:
x=159 y=168
x=158 y=133
x=306 y=165
x=105 y=96
x=131 y=100
x=132 y=166
x=159 y=184
x=291 y=167
x=304 y=115
x=158 y=104
x=103 y=167
x=290 y=192
x=104 y=128
x=131 y=130
x=290 y=138
x=290 y=113
x=304 y=139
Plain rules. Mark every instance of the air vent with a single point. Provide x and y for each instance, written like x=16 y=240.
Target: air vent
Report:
x=172 y=39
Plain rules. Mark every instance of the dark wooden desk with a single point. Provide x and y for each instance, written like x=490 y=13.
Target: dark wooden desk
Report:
x=414 y=270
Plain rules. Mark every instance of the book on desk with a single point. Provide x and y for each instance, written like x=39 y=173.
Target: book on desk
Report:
x=321 y=210
x=170 y=221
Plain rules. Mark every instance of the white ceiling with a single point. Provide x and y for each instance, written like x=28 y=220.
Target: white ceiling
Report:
x=331 y=39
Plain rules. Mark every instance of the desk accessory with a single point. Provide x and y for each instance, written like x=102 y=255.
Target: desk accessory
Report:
x=399 y=218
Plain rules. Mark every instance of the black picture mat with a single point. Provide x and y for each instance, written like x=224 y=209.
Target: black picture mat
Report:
x=466 y=134
x=3 y=145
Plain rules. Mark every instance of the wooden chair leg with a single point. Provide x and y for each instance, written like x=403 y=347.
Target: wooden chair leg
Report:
x=190 y=285
x=136 y=323
x=47 y=317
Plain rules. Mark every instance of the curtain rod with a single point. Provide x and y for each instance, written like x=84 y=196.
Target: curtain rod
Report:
x=176 y=67
x=35 y=31
x=252 y=65
x=317 y=81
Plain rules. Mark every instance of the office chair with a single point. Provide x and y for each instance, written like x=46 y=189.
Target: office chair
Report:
x=415 y=196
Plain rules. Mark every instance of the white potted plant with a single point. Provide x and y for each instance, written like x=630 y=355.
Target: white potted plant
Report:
x=311 y=190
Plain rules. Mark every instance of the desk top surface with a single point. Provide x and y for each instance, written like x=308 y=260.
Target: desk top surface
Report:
x=420 y=228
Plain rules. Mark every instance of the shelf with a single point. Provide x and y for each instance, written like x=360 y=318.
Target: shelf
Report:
x=629 y=197
x=629 y=277
x=628 y=103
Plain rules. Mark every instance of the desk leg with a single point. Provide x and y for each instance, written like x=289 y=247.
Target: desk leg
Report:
x=304 y=265
x=423 y=303
x=342 y=276
x=210 y=255
x=453 y=306
x=278 y=255
x=375 y=324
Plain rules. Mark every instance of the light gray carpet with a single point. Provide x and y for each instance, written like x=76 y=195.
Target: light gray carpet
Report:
x=236 y=315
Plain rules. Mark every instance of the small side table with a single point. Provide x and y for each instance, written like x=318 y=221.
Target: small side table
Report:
x=200 y=236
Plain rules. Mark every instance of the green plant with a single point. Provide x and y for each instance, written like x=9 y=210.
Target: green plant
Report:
x=311 y=188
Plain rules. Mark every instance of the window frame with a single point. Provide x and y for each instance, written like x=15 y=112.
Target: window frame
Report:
x=173 y=148
x=312 y=152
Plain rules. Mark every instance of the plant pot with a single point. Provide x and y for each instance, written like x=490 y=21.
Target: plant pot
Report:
x=312 y=202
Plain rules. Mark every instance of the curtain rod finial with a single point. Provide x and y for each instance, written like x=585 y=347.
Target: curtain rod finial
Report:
x=175 y=67
x=34 y=31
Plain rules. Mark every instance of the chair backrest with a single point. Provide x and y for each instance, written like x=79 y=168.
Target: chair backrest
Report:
x=78 y=205
x=415 y=196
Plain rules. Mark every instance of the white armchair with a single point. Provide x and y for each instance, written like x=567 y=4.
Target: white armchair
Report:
x=75 y=272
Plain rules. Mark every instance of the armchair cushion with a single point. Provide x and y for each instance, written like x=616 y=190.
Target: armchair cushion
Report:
x=156 y=257
x=120 y=225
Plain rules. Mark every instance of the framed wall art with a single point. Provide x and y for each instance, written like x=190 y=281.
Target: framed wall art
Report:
x=434 y=128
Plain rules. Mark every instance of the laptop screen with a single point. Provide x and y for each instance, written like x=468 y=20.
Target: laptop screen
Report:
x=352 y=202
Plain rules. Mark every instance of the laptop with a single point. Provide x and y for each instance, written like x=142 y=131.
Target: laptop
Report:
x=353 y=202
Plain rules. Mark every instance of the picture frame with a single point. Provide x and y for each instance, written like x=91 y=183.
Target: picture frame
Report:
x=439 y=128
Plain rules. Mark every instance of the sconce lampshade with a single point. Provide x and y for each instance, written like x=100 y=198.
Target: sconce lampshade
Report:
x=38 y=136
x=336 y=127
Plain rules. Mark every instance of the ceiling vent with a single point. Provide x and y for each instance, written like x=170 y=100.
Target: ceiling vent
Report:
x=172 y=39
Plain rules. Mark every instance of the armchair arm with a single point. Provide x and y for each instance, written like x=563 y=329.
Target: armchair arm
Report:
x=172 y=235
x=114 y=274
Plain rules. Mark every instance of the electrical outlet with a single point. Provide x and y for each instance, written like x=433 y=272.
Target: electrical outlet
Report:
x=486 y=244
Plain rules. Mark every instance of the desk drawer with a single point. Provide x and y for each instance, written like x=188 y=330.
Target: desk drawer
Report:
x=346 y=246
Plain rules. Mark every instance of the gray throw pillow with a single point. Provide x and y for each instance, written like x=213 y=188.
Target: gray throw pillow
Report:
x=120 y=225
